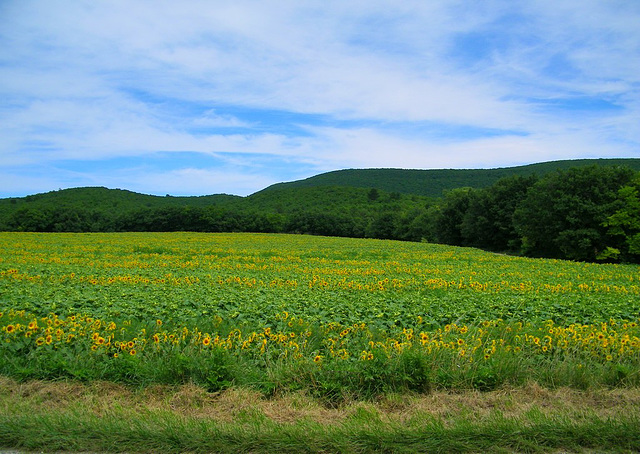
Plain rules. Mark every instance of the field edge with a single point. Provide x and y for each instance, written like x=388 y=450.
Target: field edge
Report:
x=108 y=417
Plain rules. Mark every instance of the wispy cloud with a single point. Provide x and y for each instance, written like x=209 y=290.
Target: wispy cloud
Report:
x=279 y=90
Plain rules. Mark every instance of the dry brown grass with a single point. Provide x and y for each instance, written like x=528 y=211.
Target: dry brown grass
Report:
x=234 y=405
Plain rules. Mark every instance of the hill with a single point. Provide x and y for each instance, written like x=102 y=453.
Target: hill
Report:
x=287 y=195
x=432 y=183
x=114 y=198
x=353 y=202
x=98 y=200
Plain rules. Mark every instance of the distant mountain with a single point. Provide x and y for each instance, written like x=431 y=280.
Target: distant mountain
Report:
x=339 y=190
x=115 y=198
x=100 y=199
x=433 y=182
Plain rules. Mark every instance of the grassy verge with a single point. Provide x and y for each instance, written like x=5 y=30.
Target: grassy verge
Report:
x=106 y=417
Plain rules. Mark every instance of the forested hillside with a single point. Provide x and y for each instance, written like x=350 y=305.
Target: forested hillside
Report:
x=432 y=183
x=333 y=211
x=90 y=208
x=582 y=212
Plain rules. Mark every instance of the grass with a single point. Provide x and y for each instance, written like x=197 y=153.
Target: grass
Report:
x=106 y=417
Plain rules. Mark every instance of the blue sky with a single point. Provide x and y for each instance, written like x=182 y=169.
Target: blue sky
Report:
x=205 y=97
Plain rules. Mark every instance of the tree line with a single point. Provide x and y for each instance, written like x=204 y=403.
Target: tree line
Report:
x=583 y=213
x=586 y=214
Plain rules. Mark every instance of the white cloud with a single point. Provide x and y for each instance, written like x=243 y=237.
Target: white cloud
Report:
x=370 y=148
x=211 y=119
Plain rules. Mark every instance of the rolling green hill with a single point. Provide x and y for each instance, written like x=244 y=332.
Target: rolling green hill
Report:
x=292 y=199
x=114 y=198
x=101 y=200
x=345 y=194
x=429 y=183
x=432 y=183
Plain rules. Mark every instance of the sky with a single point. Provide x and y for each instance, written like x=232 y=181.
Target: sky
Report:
x=198 y=97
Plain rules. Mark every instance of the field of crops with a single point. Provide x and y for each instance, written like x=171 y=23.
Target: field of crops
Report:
x=332 y=315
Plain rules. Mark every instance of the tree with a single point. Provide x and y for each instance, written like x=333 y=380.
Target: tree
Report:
x=488 y=221
x=69 y=219
x=29 y=219
x=448 y=221
x=624 y=225
x=382 y=226
x=328 y=224
x=563 y=214
x=413 y=225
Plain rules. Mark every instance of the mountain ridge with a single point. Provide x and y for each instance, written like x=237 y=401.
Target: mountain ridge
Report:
x=418 y=182
x=432 y=182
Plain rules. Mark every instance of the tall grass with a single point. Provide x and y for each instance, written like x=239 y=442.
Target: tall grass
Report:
x=126 y=425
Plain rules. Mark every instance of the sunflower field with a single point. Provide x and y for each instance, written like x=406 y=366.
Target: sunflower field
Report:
x=333 y=316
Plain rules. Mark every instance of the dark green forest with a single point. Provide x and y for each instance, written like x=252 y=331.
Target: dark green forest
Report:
x=587 y=210
x=432 y=183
